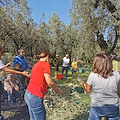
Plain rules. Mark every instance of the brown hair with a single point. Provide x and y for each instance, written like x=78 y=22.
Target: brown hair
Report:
x=43 y=54
x=102 y=65
x=17 y=67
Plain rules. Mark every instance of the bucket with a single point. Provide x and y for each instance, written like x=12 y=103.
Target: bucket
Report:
x=60 y=76
x=84 y=86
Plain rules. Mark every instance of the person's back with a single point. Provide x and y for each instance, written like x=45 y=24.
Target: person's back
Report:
x=37 y=80
x=104 y=90
x=103 y=83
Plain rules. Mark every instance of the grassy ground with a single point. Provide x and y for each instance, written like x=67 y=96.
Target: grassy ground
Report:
x=72 y=105
x=73 y=98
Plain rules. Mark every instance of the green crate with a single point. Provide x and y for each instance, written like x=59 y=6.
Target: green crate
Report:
x=69 y=68
x=79 y=89
x=81 y=70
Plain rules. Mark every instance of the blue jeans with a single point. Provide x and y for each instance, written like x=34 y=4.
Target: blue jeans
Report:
x=15 y=95
x=36 y=107
x=66 y=69
x=10 y=97
x=111 y=112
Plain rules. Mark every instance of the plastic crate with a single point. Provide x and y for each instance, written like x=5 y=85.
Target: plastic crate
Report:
x=81 y=70
x=79 y=89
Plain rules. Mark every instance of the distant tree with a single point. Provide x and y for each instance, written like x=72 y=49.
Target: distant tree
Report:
x=56 y=34
x=17 y=13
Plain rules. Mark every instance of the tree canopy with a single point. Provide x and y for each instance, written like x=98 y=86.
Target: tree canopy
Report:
x=94 y=28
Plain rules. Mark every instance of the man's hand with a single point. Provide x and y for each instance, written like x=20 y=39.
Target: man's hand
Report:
x=25 y=73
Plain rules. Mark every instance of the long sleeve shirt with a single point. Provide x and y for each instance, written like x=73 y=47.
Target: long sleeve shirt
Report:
x=22 y=61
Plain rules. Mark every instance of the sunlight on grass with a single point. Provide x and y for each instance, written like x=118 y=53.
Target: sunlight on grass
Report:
x=8 y=114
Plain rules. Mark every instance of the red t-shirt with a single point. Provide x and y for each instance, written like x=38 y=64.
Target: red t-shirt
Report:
x=38 y=85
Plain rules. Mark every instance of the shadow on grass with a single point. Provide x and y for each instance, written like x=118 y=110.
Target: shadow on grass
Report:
x=21 y=115
x=16 y=112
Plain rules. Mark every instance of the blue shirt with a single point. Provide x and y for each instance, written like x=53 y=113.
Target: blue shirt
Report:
x=22 y=61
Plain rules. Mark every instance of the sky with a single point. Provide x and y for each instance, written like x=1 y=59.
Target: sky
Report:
x=48 y=7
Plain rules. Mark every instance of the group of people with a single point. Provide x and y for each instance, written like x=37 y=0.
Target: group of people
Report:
x=15 y=84
x=5 y=68
x=65 y=63
x=103 y=83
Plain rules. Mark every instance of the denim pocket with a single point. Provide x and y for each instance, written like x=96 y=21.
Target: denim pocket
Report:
x=32 y=100
x=30 y=96
x=35 y=106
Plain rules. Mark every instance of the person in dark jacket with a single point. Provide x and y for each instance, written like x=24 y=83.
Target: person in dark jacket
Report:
x=56 y=64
